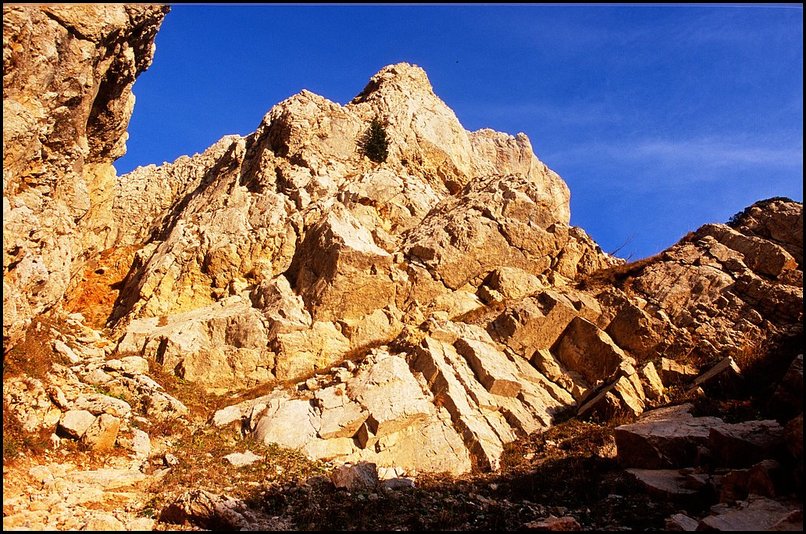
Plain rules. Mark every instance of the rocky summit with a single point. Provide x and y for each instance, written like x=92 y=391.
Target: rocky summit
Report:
x=283 y=332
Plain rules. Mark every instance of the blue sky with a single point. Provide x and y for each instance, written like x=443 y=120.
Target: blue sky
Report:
x=659 y=118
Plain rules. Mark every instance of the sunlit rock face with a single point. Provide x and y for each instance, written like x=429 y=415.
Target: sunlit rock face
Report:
x=418 y=313
x=68 y=71
x=366 y=248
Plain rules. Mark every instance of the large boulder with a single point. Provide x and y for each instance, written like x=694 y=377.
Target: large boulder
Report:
x=536 y=322
x=342 y=273
x=213 y=345
x=743 y=444
x=664 y=438
x=589 y=351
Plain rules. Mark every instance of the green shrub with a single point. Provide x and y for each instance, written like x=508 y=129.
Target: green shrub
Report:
x=374 y=143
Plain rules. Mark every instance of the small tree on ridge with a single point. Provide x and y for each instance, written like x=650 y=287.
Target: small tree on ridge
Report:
x=374 y=143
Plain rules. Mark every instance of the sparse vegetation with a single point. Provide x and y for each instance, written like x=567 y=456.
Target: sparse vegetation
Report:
x=375 y=144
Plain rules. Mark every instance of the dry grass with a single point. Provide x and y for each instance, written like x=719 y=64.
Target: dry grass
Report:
x=617 y=275
x=200 y=404
x=202 y=466
x=34 y=355
x=17 y=442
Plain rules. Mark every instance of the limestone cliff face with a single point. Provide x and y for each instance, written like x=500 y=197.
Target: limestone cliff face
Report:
x=363 y=248
x=67 y=77
x=426 y=310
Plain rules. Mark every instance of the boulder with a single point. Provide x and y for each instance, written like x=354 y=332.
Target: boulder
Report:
x=340 y=417
x=303 y=351
x=589 y=351
x=545 y=362
x=97 y=404
x=241 y=459
x=289 y=423
x=74 y=423
x=361 y=476
x=765 y=479
x=623 y=396
x=534 y=323
x=681 y=523
x=755 y=514
x=514 y=283
x=633 y=329
x=492 y=367
x=141 y=444
x=134 y=365
x=227 y=415
x=667 y=484
x=342 y=273
x=103 y=523
x=676 y=373
x=212 y=345
x=61 y=347
x=746 y=443
x=390 y=394
x=651 y=379
x=664 y=438
x=102 y=433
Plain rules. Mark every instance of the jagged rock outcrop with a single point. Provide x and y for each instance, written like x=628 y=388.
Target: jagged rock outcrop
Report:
x=366 y=248
x=67 y=77
x=278 y=255
x=416 y=315
x=428 y=309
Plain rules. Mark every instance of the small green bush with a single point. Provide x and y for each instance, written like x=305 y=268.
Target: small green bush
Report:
x=374 y=143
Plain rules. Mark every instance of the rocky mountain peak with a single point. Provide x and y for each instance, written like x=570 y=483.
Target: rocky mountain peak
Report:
x=403 y=78
x=415 y=315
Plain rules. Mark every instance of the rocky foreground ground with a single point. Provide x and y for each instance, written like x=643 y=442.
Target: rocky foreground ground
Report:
x=283 y=333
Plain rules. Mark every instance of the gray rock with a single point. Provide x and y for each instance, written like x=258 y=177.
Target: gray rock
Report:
x=664 y=438
x=75 y=422
x=361 y=476
x=240 y=459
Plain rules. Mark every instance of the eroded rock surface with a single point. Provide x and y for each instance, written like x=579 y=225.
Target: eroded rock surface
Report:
x=68 y=71
x=416 y=315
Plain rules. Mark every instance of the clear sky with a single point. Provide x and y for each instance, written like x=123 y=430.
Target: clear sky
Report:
x=659 y=118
